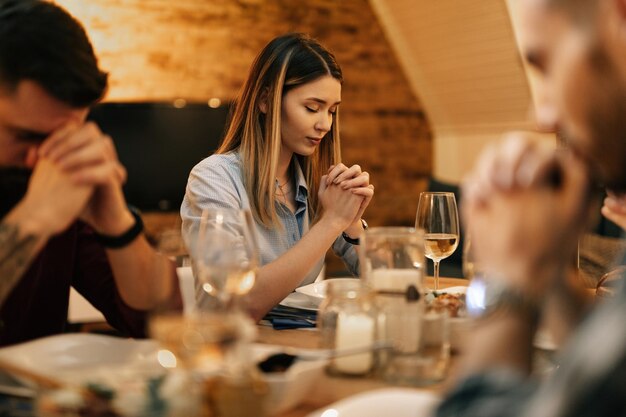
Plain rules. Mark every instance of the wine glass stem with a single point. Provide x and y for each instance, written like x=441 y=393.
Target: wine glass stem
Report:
x=436 y=264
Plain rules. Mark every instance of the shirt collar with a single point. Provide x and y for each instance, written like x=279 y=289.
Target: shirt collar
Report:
x=302 y=190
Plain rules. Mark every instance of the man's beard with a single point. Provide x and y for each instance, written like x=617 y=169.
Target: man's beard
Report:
x=607 y=121
x=13 y=186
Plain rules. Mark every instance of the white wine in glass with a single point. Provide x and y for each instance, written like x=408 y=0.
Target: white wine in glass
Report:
x=438 y=216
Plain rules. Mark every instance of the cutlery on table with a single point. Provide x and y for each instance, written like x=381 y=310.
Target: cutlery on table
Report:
x=280 y=362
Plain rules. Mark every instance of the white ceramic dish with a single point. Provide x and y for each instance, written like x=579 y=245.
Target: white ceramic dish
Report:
x=396 y=402
x=288 y=389
x=82 y=358
x=77 y=358
x=459 y=289
x=316 y=291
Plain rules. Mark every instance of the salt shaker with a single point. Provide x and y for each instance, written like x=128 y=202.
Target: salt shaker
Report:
x=347 y=319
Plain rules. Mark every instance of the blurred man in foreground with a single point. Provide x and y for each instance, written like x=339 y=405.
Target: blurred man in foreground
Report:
x=64 y=221
x=526 y=206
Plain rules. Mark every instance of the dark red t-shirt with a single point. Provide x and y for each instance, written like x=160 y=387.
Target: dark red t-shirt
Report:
x=38 y=305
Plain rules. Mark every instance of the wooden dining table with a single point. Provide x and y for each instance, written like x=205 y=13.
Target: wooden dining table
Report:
x=330 y=389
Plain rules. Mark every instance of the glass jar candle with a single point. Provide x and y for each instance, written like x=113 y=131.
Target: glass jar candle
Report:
x=347 y=319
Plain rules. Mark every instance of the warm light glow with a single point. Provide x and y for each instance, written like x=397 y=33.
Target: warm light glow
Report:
x=179 y=103
x=475 y=297
x=331 y=412
x=214 y=102
x=247 y=282
x=166 y=358
x=208 y=288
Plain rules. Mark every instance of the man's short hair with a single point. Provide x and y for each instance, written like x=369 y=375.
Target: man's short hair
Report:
x=41 y=42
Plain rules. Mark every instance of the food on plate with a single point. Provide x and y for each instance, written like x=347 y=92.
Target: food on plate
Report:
x=175 y=392
x=453 y=302
x=91 y=400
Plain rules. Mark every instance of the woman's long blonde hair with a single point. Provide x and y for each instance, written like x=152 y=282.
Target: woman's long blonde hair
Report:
x=286 y=62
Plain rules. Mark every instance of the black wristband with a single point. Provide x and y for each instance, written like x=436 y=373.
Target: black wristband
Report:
x=119 y=241
x=351 y=240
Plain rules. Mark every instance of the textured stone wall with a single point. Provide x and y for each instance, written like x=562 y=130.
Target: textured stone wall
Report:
x=200 y=49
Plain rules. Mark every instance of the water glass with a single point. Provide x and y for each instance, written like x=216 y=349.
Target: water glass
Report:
x=225 y=257
x=426 y=361
x=393 y=265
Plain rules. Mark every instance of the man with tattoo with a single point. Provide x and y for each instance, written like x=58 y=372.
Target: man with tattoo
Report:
x=64 y=218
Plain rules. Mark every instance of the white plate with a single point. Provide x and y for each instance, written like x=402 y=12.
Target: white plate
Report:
x=301 y=301
x=316 y=291
x=82 y=358
x=396 y=402
x=460 y=289
x=76 y=358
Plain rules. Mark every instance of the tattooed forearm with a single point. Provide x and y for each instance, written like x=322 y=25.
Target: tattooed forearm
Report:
x=16 y=253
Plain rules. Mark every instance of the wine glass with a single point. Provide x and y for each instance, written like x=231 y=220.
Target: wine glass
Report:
x=226 y=256
x=438 y=216
x=199 y=341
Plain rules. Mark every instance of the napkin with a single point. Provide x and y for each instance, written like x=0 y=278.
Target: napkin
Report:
x=284 y=324
x=283 y=317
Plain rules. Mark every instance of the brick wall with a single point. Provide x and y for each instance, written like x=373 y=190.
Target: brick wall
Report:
x=199 y=49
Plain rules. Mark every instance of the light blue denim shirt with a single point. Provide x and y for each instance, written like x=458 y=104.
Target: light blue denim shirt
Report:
x=217 y=182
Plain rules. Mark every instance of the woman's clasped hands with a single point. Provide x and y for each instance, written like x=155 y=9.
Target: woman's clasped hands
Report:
x=346 y=192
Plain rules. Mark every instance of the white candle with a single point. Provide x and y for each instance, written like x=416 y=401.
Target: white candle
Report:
x=354 y=330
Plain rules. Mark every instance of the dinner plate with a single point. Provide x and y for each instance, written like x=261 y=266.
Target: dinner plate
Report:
x=397 y=402
x=459 y=289
x=77 y=357
x=301 y=301
x=316 y=292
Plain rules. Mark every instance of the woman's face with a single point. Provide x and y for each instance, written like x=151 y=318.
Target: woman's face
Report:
x=307 y=114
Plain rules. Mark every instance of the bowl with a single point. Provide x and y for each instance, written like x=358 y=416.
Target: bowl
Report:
x=288 y=389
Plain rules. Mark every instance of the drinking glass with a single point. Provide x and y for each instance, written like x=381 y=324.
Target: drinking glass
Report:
x=392 y=264
x=438 y=216
x=207 y=353
x=226 y=255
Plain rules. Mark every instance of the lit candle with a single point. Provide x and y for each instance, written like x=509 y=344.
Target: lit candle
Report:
x=354 y=330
